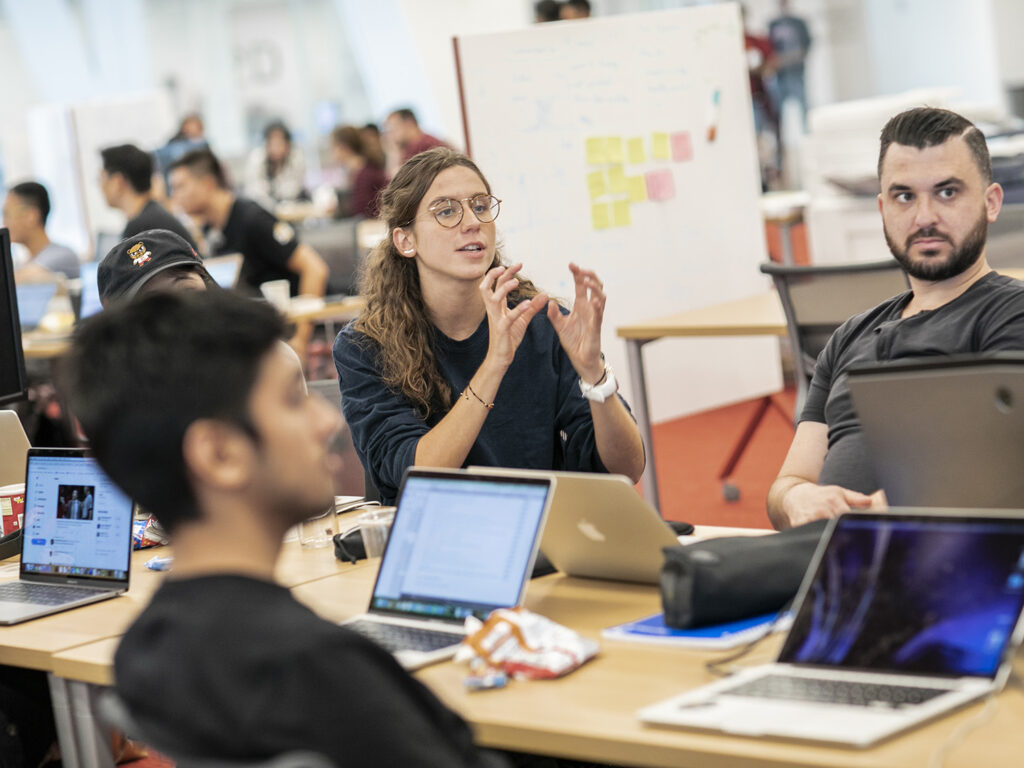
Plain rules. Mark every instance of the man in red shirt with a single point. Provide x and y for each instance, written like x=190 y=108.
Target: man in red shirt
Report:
x=405 y=136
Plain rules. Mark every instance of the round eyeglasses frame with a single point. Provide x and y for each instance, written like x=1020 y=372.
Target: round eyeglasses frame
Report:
x=486 y=216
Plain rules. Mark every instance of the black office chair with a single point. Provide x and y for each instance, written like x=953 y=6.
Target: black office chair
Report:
x=818 y=299
x=114 y=712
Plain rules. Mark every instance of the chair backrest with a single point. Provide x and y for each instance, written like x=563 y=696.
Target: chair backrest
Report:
x=818 y=299
x=113 y=710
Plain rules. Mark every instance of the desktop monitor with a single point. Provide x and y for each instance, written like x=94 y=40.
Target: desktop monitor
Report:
x=13 y=382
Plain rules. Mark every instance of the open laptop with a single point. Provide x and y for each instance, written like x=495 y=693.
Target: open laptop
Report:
x=903 y=616
x=33 y=301
x=224 y=269
x=90 y=301
x=599 y=527
x=945 y=432
x=461 y=544
x=77 y=541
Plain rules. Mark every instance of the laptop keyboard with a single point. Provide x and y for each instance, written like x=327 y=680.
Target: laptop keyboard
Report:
x=43 y=594
x=395 y=637
x=835 y=691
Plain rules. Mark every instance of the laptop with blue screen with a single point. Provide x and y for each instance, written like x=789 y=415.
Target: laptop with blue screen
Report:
x=461 y=544
x=903 y=616
x=77 y=537
x=33 y=301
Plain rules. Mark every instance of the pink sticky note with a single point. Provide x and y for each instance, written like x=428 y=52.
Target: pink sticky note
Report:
x=660 y=185
x=682 y=149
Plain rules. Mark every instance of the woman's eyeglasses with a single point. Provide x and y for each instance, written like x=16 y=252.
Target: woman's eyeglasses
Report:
x=449 y=212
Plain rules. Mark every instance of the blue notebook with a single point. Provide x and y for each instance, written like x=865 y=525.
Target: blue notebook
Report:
x=718 y=636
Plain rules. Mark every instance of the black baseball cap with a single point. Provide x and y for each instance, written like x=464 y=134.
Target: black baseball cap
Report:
x=136 y=260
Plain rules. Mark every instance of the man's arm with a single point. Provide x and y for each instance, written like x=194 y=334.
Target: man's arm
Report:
x=795 y=497
x=311 y=269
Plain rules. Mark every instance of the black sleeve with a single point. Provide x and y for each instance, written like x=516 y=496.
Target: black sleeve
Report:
x=268 y=238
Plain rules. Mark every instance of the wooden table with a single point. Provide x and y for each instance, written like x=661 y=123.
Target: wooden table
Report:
x=590 y=715
x=759 y=315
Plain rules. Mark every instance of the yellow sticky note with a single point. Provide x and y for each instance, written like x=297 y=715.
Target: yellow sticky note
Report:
x=620 y=214
x=660 y=149
x=617 y=180
x=596 y=185
x=635 y=149
x=637 y=189
x=595 y=151
x=599 y=215
x=613 y=150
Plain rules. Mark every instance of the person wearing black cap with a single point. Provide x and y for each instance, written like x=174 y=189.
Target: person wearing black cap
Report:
x=154 y=260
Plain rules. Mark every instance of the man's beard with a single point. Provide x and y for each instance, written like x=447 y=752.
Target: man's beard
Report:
x=933 y=268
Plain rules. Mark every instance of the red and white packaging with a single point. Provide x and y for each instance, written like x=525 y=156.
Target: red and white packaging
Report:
x=12 y=507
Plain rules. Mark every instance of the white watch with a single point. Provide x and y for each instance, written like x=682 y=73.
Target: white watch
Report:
x=600 y=392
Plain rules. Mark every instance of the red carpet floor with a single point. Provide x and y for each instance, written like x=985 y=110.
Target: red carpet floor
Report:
x=692 y=450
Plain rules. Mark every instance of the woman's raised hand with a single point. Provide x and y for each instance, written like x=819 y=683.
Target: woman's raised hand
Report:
x=507 y=325
x=580 y=330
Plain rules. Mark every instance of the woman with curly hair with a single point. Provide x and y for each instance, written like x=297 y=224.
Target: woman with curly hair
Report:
x=458 y=359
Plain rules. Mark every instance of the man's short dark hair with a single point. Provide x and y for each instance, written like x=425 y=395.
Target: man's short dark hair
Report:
x=928 y=127
x=580 y=5
x=131 y=162
x=139 y=373
x=33 y=194
x=546 y=10
x=406 y=114
x=202 y=162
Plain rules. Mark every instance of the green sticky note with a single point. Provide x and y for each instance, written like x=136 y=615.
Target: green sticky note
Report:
x=600 y=216
x=617 y=180
x=635 y=149
x=595 y=151
x=660 y=150
x=613 y=150
x=620 y=214
x=596 y=185
x=637 y=188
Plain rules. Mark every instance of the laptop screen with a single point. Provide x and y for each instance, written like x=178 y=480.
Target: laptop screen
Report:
x=90 y=290
x=77 y=522
x=921 y=595
x=224 y=270
x=460 y=544
x=33 y=299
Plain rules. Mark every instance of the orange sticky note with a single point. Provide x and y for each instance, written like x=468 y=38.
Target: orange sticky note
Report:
x=620 y=214
x=599 y=216
x=660 y=148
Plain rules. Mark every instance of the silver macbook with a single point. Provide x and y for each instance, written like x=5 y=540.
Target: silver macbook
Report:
x=599 y=527
x=945 y=432
x=461 y=544
x=77 y=541
x=903 y=616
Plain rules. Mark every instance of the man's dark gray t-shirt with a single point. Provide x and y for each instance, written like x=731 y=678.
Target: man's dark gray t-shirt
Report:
x=988 y=316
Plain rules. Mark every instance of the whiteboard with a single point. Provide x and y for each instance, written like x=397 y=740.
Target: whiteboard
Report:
x=574 y=122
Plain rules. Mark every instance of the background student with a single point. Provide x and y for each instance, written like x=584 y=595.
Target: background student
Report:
x=25 y=211
x=126 y=182
x=275 y=172
x=457 y=359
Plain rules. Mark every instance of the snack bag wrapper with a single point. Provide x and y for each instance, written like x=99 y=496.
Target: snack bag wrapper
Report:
x=524 y=645
x=147 y=533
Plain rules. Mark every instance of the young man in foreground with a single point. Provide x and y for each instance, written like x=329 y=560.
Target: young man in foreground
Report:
x=195 y=407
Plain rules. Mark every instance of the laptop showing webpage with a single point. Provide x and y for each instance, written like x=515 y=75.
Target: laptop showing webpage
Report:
x=77 y=542
x=903 y=616
x=461 y=544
